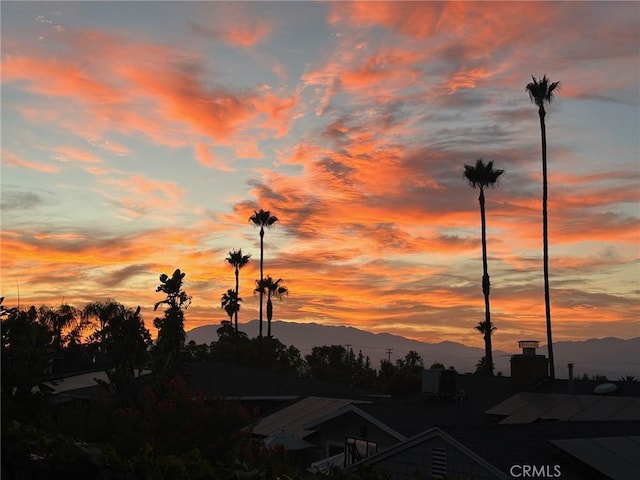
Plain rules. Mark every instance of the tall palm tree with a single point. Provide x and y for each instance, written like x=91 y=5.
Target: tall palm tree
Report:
x=272 y=288
x=262 y=219
x=483 y=175
x=237 y=260
x=541 y=91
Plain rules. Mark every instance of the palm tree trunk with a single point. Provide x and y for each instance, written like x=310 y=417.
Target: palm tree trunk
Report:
x=486 y=288
x=237 y=296
x=236 y=315
x=269 y=314
x=545 y=242
x=261 y=275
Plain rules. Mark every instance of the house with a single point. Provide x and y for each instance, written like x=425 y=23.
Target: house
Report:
x=567 y=450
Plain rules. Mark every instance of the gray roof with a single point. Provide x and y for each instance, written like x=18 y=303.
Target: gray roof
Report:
x=293 y=418
x=616 y=457
x=351 y=408
x=582 y=450
x=528 y=407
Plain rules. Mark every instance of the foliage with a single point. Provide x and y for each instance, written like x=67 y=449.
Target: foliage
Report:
x=262 y=219
x=230 y=303
x=27 y=351
x=173 y=433
x=171 y=335
x=482 y=367
x=334 y=363
x=237 y=260
x=272 y=288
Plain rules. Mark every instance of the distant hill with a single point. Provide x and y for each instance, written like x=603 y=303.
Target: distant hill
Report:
x=612 y=357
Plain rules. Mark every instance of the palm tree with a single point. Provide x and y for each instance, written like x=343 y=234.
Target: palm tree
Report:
x=483 y=175
x=59 y=319
x=262 y=219
x=230 y=302
x=541 y=92
x=273 y=288
x=105 y=313
x=237 y=260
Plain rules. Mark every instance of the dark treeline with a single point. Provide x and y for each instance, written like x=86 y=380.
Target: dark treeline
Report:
x=154 y=425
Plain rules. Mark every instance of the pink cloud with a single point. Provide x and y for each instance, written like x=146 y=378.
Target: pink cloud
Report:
x=11 y=159
x=75 y=154
x=206 y=158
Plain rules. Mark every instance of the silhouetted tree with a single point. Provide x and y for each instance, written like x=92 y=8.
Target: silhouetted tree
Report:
x=541 y=91
x=100 y=315
x=27 y=351
x=262 y=219
x=125 y=342
x=482 y=367
x=413 y=360
x=237 y=260
x=230 y=303
x=171 y=335
x=272 y=288
x=226 y=332
x=329 y=362
x=64 y=317
x=483 y=175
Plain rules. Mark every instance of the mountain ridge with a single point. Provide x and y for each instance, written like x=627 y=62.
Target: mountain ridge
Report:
x=609 y=356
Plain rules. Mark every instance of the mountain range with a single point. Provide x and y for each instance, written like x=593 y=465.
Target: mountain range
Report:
x=611 y=357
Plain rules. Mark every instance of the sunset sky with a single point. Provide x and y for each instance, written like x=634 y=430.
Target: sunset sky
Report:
x=138 y=137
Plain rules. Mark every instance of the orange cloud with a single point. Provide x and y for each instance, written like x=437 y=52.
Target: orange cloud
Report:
x=11 y=159
x=75 y=154
x=206 y=158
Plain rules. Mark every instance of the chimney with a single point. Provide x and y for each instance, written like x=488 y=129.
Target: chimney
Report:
x=528 y=368
x=528 y=346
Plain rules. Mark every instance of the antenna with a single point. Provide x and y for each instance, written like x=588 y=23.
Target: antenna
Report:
x=389 y=350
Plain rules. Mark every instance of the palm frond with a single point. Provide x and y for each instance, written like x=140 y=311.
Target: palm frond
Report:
x=482 y=174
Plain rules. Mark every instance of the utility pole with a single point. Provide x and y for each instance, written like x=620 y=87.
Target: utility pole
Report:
x=389 y=350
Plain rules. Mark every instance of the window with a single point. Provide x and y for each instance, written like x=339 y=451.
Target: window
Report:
x=357 y=448
x=438 y=462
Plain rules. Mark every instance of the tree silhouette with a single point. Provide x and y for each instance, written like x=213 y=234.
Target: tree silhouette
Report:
x=541 y=91
x=59 y=319
x=237 y=260
x=171 y=334
x=101 y=315
x=483 y=175
x=26 y=351
x=262 y=219
x=124 y=341
x=272 y=288
x=230 y=302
